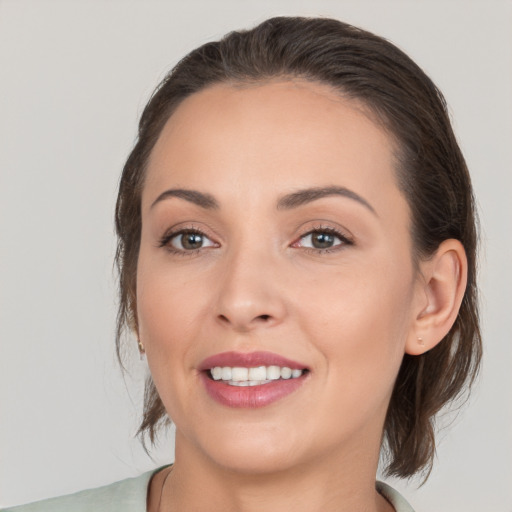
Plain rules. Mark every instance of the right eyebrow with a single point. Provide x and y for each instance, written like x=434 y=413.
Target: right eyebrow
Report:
x=201 y=199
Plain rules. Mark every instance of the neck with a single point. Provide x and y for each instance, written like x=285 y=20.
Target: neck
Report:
x=330 y=483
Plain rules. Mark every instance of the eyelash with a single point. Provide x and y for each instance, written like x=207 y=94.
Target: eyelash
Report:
x=165 y=241
x=344 y=239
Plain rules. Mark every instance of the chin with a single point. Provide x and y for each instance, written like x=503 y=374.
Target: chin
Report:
x=254 y=461
x=251 y=449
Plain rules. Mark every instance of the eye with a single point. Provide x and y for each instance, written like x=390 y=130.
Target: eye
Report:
x=322 y=240
x=186 y=241
x=319 y=240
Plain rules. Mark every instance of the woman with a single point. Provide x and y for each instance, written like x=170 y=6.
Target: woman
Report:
x=297 y=260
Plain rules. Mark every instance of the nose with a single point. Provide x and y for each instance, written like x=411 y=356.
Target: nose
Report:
x=251 y=294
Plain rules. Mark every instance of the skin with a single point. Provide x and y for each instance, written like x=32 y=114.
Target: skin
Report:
x=258 y=284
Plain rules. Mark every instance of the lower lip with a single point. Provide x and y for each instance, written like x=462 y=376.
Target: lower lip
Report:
x=251 y=396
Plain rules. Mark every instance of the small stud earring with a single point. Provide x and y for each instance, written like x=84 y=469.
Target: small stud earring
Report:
x=421 y=342
x=141 y=348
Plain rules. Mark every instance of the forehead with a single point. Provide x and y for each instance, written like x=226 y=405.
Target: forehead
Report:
x=259 y=138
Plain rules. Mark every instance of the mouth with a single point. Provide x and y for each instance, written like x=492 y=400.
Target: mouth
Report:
x=255 y=376
x=251 y=380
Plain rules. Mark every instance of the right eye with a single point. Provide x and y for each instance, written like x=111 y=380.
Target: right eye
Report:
x=186 y=241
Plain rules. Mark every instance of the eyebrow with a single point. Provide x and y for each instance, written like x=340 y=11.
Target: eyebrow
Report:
x=206 y=201
x=287 y=202
x=302 y=197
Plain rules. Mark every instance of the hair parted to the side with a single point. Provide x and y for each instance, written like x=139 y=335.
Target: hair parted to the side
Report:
x=431 y=173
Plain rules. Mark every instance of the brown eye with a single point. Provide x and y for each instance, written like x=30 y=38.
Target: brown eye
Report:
x=189 y=241
x=320 y=240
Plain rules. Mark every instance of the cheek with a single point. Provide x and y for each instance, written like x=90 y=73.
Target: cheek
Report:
x=169 y=303
x=167 y=318
x=172 y=311
x=360 y=320
x=364 y=356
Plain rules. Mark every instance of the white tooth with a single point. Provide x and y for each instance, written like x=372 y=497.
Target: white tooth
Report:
x=226 y=373
x=296 y=373
x=254 y=382
x=286 y=372
x=216 y=373
x=240 y=383
x=239 y=374
x=273 y=372
x=259 y=373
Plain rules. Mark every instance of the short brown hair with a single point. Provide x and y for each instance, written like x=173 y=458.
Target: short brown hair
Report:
x=431 y=172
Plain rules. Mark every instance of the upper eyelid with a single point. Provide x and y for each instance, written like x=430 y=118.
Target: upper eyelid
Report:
x=172 y=233
x=188 y=227
x=342 y=233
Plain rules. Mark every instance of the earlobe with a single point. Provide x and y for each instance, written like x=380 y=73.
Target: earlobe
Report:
x=440 y=294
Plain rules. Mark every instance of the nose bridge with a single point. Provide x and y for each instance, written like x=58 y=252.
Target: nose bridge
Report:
x=249 y=291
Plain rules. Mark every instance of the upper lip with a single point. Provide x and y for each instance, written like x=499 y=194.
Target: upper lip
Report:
x=249 y=360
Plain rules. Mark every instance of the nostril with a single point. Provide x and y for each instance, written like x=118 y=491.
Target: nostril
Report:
x=242 y=323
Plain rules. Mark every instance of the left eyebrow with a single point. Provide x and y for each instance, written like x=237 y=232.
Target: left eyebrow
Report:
x=301 y=197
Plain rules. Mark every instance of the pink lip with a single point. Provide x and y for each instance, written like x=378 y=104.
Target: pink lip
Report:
x=249 y=360
x=250 y=396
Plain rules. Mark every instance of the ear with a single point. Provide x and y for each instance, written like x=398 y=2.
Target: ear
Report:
x=440 y=290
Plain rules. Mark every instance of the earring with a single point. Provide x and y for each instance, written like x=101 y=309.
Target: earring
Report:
x=141 y=348
x=421 y=342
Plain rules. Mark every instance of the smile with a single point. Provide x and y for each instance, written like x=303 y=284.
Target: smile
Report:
x=239 y=376
x=251 y=380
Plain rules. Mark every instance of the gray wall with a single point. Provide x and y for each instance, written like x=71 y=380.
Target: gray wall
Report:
x=74 y=78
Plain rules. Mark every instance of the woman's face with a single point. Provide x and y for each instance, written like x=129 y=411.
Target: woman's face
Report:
x=274 y=235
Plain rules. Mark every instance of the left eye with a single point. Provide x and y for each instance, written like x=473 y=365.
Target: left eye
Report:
x=320 y=240
x=190 y=240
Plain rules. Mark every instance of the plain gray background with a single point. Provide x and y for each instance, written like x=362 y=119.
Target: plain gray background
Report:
x=75 y=76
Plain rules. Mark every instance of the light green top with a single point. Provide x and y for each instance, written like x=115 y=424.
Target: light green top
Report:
x=130 y=496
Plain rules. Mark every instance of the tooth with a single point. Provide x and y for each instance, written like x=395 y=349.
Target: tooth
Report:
x=238 y=384
x=216 y=373
x=286 y=372
x=254 y=376
x=239 y=374
x=273 y=372
x=259 y=373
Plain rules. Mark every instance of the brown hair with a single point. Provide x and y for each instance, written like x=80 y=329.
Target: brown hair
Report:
x=431 y=173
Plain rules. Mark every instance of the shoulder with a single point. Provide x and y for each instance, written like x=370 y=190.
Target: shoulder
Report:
x=394 y=497
x=128 y=495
